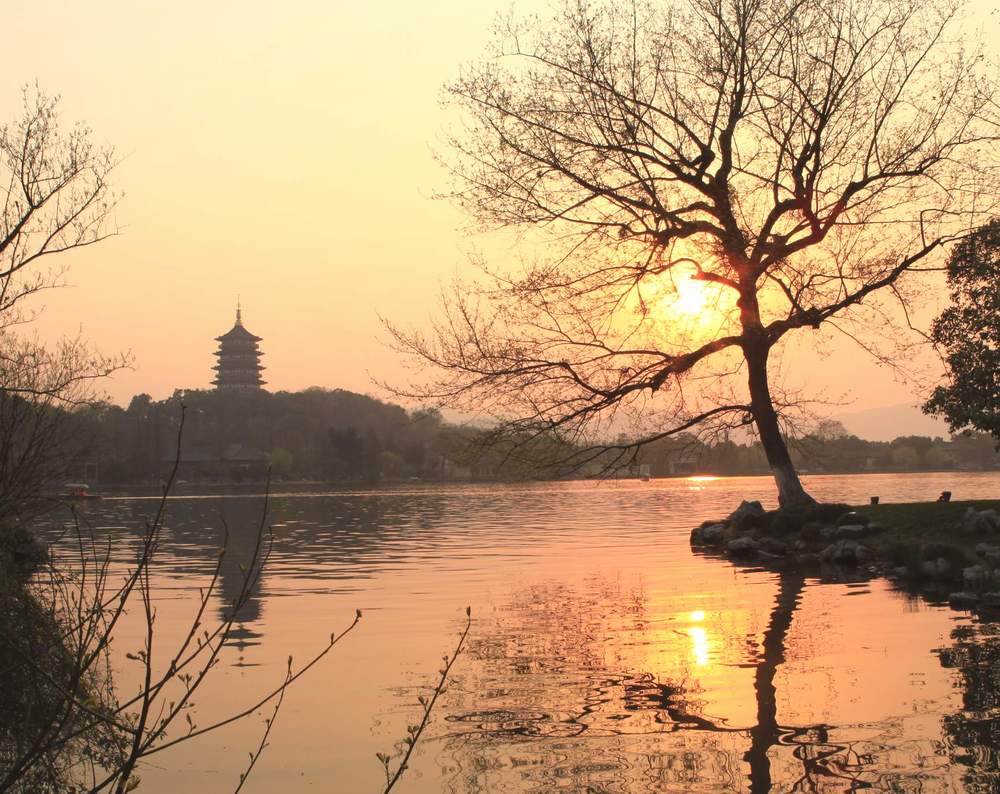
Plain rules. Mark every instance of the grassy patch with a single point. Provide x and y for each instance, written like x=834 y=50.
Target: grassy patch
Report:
x=912 y=528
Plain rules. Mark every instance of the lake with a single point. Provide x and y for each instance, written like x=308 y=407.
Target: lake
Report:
x=604 y=655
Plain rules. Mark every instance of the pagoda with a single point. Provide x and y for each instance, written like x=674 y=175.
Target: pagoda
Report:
x=239 y=359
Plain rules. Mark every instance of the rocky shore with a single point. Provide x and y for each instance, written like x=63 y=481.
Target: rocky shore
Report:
x=958 y=560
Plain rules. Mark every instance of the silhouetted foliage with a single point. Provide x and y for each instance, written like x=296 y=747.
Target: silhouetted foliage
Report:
x=316 y=434
x=969 y=333
x=338 y=436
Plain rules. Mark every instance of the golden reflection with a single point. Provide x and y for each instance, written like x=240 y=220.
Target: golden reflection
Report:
x=699 y=645
x=699 y=639
x=703 y=478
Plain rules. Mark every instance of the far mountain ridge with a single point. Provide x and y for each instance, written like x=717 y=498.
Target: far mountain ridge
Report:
x=885 y=423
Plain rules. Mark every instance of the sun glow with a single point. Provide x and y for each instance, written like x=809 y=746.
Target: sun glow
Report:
x=691 y=303
x=692 y=298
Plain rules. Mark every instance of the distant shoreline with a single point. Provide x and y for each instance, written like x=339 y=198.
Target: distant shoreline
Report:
x=307 y=486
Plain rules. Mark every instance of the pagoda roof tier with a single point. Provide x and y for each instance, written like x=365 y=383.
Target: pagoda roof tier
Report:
x=238 y=334
x=230 y=352
x=238 y=384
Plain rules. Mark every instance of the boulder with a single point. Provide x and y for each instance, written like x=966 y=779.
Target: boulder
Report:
x=851 y=532
x=807 y=560
x=713 y=533
x=975 y=576
x=963 y=599
x=708 y=534
x=990 y=554
x=980 y=522
x=991 y=600
x=847 y=552
x=742 y=547
x=852 y=518
x=828 y=533
x=747 y=515
x=900 y=572
x=938 y=568
x=773 y=546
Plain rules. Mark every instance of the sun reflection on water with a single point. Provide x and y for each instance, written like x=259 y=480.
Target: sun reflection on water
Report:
x=699 y=639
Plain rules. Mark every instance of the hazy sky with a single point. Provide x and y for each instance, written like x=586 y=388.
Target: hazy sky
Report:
x=282 y=152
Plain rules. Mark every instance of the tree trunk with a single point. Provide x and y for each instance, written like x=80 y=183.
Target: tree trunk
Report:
x=790 y=490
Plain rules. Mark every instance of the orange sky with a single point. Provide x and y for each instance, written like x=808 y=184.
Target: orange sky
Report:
x=280 y=152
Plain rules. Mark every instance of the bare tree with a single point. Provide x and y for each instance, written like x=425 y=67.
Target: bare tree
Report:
x=56 y=199
x=791 y=159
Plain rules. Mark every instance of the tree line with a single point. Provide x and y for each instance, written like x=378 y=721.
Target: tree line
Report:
x=315 y=434
x=334 y=435
x=828 y=449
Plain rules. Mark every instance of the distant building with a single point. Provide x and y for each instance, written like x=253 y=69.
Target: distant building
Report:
x=239 y=359
x=202 y=463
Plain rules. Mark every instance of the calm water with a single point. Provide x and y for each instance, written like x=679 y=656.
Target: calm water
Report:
x=604 y=655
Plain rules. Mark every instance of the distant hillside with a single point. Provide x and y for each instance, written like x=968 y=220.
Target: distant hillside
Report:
x=892 y=421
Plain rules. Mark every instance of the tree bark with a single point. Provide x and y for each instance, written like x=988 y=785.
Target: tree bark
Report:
x=790 y=490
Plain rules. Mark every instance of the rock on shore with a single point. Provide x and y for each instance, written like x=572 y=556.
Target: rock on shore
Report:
x=835 y=538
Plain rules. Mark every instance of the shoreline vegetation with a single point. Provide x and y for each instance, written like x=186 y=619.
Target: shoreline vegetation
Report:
x=947 y=551
x=334 y=435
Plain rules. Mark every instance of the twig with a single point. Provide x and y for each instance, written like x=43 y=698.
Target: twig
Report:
x=269 y=722
x=414 y=732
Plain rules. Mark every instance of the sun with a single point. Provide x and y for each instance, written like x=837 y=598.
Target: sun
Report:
x=692 y=297
x=690 y=302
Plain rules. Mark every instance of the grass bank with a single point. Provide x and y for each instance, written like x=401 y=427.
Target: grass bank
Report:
x=910 y=528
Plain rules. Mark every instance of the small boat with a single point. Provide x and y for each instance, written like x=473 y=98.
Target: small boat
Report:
x=79 y=490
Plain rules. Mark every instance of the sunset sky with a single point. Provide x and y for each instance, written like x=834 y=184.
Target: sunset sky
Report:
x=282 y=153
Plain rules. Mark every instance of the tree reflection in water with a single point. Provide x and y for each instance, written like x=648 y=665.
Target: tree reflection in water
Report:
x=974 y=732
x=551 y=699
